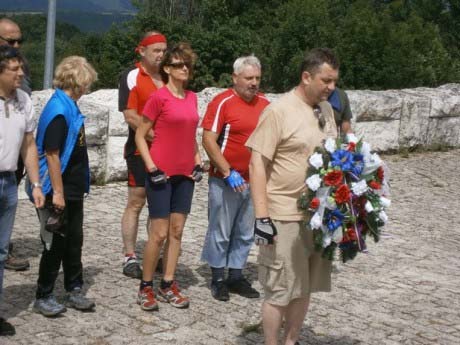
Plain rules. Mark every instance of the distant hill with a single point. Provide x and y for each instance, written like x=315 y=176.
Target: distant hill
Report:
x=80 y=5
x=88 y=15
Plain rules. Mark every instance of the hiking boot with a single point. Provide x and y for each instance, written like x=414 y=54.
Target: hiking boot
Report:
x=132 y=269
x=75 y=299
x=13 y=263
x=173 y=296
x=243 y=288
x=48 y=306
x=6 y=328
x=219 y=291
x=146 y=299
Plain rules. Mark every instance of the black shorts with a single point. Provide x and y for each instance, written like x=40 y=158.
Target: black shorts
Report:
x=174 y=196
x=136 y=171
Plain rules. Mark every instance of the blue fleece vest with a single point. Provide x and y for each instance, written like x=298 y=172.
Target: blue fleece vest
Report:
x=59 y=104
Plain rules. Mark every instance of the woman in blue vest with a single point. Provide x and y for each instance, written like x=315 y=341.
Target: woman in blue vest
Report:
x=64 y=174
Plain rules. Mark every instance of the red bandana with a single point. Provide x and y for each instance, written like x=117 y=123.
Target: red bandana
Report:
x=155 y=38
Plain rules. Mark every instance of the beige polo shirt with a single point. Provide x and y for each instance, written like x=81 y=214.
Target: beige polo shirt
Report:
x=16 y=118
x=287 y=134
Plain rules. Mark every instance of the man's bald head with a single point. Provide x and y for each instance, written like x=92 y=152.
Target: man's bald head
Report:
x=10 y=33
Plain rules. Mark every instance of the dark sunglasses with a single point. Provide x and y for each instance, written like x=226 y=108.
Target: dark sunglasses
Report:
x=179 y=65
x=12 y=41
x=319 y=115
x=8 y=52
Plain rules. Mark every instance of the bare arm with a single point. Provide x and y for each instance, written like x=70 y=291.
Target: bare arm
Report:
x=345 y=127
x=54 y=169
x=134 y=120
x=142 y=130
x=214 y=153
x=30 y=156
x=197 y=154
x=258 y=183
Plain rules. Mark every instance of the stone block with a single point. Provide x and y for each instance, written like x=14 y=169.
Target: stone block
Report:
x=116 y=165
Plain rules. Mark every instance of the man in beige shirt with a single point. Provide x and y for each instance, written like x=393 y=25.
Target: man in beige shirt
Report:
x=286 y=135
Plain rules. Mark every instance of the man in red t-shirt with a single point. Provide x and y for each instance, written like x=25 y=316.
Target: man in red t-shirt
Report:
x=229 y=121
x=135 y=87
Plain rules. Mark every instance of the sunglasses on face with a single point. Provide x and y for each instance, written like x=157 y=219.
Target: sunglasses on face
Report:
x=12 y=41
x=319 y=115
x=179 y=65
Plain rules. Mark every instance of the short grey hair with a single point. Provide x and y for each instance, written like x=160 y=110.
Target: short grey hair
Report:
x=244 y=61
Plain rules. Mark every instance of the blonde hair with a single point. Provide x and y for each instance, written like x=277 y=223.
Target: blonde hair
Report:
x=75 y=74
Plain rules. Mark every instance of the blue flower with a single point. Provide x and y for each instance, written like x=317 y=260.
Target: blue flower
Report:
x=334 y=219
x=358 y=165
x=342 y=159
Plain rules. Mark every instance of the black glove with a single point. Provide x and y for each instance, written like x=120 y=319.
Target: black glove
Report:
x=197 y=173
x=157 y=176
x=264 y=231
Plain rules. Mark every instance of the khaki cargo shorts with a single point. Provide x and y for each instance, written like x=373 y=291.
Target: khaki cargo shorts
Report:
x=292 y=268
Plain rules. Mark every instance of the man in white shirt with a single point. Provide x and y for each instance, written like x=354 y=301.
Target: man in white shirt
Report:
x=16 y=137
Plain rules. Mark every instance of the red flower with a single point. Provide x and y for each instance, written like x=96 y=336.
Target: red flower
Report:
x=375 y=185
x=351 y=233
x=342 y=194
x=380 y=173
x=351 y=147
x=333 y=178
x=314 y=204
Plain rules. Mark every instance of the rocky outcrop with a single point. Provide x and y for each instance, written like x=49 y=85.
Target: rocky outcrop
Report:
x=388 y=120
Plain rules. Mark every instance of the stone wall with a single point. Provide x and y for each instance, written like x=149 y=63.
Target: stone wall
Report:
x=388 y=120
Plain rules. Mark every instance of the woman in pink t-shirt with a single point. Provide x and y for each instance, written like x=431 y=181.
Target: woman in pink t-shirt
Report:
x=173 y=164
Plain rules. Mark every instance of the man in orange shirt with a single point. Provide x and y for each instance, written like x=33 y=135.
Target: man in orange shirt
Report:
x=135 y=87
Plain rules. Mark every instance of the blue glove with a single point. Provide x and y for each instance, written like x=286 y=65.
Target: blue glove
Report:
x=234 y=180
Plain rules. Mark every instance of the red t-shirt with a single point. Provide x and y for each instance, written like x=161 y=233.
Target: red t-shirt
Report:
x=175 y=122
x=234 y=120
x=134 y=90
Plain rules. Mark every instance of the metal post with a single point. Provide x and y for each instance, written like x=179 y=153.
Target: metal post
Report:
x=49 y=51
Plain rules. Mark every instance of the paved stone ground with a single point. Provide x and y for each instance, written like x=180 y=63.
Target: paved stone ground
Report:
x=405 y=291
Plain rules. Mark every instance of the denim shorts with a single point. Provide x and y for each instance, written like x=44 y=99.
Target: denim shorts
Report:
x=174 y=196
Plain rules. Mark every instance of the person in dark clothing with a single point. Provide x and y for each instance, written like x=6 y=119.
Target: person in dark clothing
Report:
x=64 y=172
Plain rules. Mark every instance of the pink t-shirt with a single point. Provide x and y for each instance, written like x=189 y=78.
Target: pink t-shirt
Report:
x=175 y=121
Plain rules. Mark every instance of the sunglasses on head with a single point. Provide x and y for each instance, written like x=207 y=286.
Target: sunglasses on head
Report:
x=12 y=41
x=179 y=65
x=8 y=52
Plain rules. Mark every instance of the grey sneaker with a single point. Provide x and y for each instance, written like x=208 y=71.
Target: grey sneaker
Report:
x=76 y=300
x=132 y=269
x=48 y=306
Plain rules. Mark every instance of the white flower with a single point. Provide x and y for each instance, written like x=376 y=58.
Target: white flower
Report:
x=316 y=160
x=316 y=221
x=385 y=202
x=383 y=216
x=368 y=206
x=358 y=188
x=366 y=150
x=352 y=138
x=329 y=145
x=313 y=182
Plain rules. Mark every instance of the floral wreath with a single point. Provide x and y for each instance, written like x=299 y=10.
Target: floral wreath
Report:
x=346 y=196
